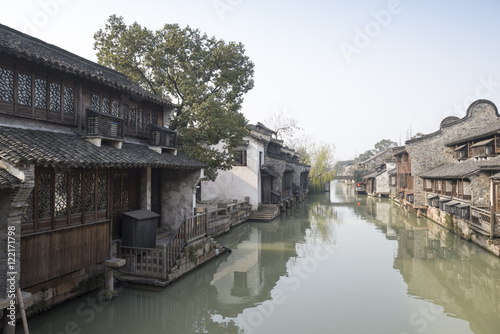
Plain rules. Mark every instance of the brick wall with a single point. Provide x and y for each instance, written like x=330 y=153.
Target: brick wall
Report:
x=430 y=151
x=12 y=203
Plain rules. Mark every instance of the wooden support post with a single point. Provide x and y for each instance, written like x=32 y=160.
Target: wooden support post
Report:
x=492 y=222
x=164 y=261
x=21 y=309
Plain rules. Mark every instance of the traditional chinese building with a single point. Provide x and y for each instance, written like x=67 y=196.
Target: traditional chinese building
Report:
x=79 y=145
x=456 y=171
x=266 y=172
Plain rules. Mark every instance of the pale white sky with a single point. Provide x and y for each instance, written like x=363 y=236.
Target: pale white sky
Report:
x=351 y=72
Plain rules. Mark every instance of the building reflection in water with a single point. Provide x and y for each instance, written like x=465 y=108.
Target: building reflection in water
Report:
x=440 y=267
x=436 y=265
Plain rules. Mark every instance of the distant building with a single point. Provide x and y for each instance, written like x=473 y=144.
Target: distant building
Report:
x=265 y=171
x=378 y=182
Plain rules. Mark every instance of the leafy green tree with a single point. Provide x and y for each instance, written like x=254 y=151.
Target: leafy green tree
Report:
x=367 y=155
x=321 y=166
x=204 y=76
x=417 y=135
x=358 y=174
x=339 y=168
x=384 y=144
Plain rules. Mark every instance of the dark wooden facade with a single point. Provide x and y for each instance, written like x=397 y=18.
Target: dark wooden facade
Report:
x=404 y=179
x=80 y=186
x=49 y=255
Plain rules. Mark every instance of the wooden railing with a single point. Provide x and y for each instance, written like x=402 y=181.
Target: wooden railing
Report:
x=484 y=222
x=275 y=197
x=196 y=226
x=157 y=262
x=103 y=125
x=144 y=262
x=161 y=136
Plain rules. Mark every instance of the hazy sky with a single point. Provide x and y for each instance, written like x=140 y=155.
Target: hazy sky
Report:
x=351 y=72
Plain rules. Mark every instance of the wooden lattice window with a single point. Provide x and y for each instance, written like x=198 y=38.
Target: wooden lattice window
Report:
x=106 y=105
x=76 y=192
x=90 y=192
x=154 y=118
x=132 y=116
x=147 y=120
x=34 y=95
x=125 y=188
x=28 y=212
x=95 y=102
x=125 y=111
x=24 y=89
x=55 y=97
x=64 y=198
x=69 y=101
x=102 y=191
x=44 y=195
x=115 y=108
x=40 y=93
x=61 y=195
x=6 y=84
x=140 y=114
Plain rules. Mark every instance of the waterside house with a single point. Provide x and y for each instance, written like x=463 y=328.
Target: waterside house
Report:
x=266 y=172
x=455 y=174
x=79 y=145
x=378 y=182
x=403 y=183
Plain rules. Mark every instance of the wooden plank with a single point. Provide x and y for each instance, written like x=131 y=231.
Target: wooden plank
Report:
x=50 y=255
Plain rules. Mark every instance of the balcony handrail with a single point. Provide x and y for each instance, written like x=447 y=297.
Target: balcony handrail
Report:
x=161 y=140
x=106 y=125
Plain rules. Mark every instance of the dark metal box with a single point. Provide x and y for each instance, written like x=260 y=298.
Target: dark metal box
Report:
x=139 y=228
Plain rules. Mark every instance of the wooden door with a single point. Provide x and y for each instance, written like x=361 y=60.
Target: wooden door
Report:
x=125 y=196
x=267 y=186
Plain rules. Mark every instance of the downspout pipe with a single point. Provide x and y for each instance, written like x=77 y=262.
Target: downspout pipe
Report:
x=196 y=186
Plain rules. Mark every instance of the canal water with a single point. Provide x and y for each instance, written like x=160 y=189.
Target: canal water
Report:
x=339 y=264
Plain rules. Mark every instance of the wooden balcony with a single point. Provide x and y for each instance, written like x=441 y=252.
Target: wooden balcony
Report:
x=104 y=125
x=483 y=222
x=162 y=137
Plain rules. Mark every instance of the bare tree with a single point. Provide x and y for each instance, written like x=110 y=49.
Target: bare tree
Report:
x=286 y=127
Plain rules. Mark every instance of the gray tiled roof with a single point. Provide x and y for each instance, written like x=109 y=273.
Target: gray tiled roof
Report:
x=374 y=174
x=486 y=131
x=23 y=46
x=7 y=179
x=53 y=148
x=398 y=150
x=462 y=169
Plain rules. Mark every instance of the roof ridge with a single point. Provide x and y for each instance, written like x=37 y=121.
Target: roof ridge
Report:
x=59 y=49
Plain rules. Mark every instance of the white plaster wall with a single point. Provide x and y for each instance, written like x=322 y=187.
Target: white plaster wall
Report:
x=240 y=181
x=383 y=183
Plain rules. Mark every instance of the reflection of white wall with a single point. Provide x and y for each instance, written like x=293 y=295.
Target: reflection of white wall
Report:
x=383 y=211
x=240 y=181
x=244 y=259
